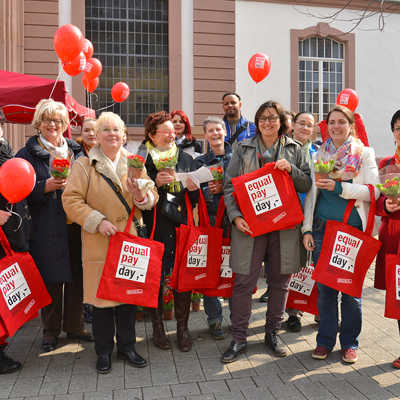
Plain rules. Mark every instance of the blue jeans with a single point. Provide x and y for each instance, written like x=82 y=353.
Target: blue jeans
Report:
x=213 y=309
x=350 y=307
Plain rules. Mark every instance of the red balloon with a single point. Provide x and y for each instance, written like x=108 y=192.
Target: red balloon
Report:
x=87 y=48
x=76 y=66
x=89 y=84
x=348 y=98
x=17 y=179
x=120 y=92
x=259 y=67
x=68 y=42
x=93 y=68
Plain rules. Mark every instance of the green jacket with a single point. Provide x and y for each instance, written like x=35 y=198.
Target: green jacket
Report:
x=244 y=160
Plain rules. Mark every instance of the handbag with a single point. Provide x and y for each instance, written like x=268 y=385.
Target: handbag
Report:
x=198 y=252
x=347 y=252
x=132 y=270
x=173 y=210
x=224 y=287
x=141 y=229
x=303 y=292
x=267 y=200
x=392 y=299
x=23 y=292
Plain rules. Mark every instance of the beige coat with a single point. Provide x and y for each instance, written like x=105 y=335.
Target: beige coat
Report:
x=87 y=200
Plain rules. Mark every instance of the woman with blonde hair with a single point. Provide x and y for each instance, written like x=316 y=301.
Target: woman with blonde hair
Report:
x=92 y=200
x=49 y=239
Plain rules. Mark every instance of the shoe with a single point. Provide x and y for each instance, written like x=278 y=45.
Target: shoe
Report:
x=160 y=339
x=349 y=356
x=132 y=358
x=84 y=336
x=182 y=303
x=274 y=343
x=396 y=363
x=7 y=364
x=49 y=343
x=264 y=297
x=88 y=313
x=216 y=331
x=293 y=324
x=103 y=364
x=320 y=353
x=233 y=351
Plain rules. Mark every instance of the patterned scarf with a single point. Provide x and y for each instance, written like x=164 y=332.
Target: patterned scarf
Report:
x=347 y=158
x=397 y=156
x=157 y=155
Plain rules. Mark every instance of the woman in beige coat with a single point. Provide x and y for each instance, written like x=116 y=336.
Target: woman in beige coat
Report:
x=92 y=203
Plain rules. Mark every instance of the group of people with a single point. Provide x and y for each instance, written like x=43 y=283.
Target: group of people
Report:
x=69 y=221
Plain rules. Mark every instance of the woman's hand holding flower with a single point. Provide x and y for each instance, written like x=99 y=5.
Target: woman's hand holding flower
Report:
x=53 y=184
x=164 y=178
x=392 y=205
x=106 y=228
x=191 y=186
x=215 y=187
x=327 y=184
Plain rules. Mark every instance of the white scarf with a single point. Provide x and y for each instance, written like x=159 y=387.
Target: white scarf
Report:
x=58 y=151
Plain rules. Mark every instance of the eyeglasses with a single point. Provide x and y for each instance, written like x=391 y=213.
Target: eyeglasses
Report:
x=304 y=125
x=55 y=121
x=270 y=118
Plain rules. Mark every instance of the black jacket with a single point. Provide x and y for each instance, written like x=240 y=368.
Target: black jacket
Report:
x=49 y=240
x=185 y=144
x=165 y=227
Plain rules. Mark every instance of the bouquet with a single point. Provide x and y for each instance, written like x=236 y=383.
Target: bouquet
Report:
x=323 y=168
x=59 y=167
x=168 y=296
x=217 y=172
x=136 y=162
x=390 y=188
x=168 y=164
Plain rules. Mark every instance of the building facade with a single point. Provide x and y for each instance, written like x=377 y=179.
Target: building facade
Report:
x=184 y=54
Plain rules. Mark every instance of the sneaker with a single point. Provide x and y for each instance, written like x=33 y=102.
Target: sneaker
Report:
x=216 y=331
x=293 y=324
x=320 y=353
x=264 y=297
x=7 y=364
x=349 y=356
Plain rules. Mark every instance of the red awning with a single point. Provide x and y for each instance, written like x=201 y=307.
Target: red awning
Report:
x=19 y=94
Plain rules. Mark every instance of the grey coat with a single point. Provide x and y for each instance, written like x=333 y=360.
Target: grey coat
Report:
x=245 y=160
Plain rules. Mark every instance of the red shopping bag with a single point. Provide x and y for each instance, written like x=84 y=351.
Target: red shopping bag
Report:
x=132 y=271
x=227 y=277
x=23 y=290
x=347 y=252
x=267 y=199
x=392 y=301
x=200 y=251
x=303 y=291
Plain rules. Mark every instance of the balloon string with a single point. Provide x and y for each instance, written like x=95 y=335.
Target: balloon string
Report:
x=55 y=83
x=103 y=108
x=10 y=209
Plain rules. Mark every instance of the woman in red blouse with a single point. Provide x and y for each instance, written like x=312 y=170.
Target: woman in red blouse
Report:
x=389 y=210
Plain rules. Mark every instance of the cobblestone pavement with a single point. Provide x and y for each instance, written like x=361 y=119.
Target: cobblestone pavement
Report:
x=68 y=372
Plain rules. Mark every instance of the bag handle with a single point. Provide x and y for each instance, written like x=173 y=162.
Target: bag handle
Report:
x=131 y=217
x=220 y=212
x=371 y=213
x=5 y=243
x=204 y=219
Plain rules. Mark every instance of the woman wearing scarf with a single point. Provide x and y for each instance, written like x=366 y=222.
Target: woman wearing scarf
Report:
x=171 y=212
x=354 y=168
x=389 y=210
x=183 y=134
x=49 y=240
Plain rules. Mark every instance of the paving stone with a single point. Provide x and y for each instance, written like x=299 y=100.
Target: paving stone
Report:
x=185 y=389
x=368 y=387
x=343 y=390
x=286 y=391
x=45 y=397
x=241 y=368
x=109 y=382
x=163 y=374
x=98 y=396
x=137 y=377
x=241 y=384
x=26 y=387
x=214 y=369
x=129 y=394
x=257 y=394
x=83 y=383
x=156 y=392
x=189 y=371
x=229 y=396
x=51 y=386
x=213 y=387
x=74 y=396
x=314 y=391
x=201 y=397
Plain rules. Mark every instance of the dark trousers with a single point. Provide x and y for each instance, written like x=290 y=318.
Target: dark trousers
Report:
x=110 y=320
x=267 y=246
x=65 y=311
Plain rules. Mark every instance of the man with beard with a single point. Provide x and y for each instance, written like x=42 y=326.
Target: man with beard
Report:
x=237 y=126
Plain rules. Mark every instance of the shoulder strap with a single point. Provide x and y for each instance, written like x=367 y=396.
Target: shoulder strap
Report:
x=117 y=192
x=5 y=243
x=220 y=213
x=232 y=139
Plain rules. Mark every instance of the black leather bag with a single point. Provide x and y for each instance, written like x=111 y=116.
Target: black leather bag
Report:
x=173 y=210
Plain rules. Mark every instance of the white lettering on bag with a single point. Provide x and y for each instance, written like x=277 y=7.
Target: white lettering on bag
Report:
x=13 y=286
x=263 y=194
x=302 y=282
x=226 y=270
x=345 y=251
x=133 y=262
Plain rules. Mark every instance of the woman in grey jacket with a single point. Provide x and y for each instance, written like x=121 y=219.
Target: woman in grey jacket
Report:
x=281 y=248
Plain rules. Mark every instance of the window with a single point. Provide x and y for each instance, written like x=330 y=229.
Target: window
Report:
x=130 y=38
x=322 y=65
x=321 y=74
